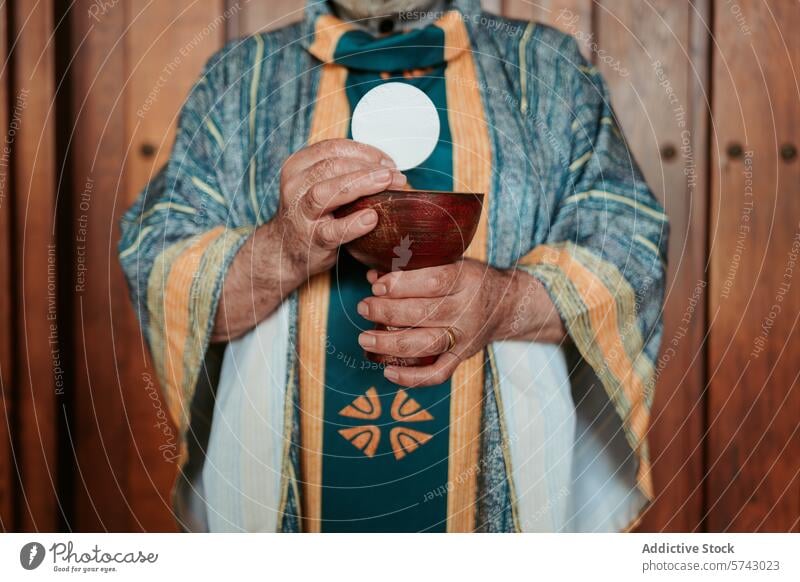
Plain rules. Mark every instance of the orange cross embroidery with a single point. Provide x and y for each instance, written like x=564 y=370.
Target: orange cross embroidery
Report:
x=403 y=440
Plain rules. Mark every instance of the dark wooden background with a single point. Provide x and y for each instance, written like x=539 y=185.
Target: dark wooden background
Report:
x=707 y=92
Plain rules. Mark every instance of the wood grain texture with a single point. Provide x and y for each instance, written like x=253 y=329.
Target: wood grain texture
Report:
x=38 y=348
x=133 y=70
x=648 y=65
x=167 y=45
x=100 y=426
x=7 y=473
x=754 y=297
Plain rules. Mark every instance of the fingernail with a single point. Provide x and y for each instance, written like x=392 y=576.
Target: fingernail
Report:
x=363 y=309
x=379 y=289
x=381 y=176
x=391 y=374
x=366 y=340
x=388 y=163
x=398 y=179
x=368 y=218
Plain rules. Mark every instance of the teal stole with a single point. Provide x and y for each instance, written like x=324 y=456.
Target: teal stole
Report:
x=380 y=459
x=385 y=449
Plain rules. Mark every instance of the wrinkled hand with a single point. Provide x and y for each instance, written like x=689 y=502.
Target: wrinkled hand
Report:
x=466 y=297
x=314 y=182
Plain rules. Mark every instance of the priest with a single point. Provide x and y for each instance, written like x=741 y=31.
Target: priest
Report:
x=534 y=414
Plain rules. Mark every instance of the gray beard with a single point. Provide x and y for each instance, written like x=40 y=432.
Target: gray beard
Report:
x=369 y=9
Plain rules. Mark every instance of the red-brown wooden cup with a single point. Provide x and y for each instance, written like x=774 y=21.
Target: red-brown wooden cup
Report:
x=416 y=229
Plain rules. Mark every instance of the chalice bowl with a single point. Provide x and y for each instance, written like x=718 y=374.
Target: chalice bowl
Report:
x=416 y=229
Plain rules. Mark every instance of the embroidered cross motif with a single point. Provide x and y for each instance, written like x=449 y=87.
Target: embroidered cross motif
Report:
x=403 y=440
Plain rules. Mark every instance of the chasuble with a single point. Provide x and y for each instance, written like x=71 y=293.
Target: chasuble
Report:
x=290 y=428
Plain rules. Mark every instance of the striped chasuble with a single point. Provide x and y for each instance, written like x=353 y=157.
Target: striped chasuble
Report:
x=289 y=428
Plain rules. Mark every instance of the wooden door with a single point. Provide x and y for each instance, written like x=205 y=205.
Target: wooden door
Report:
x=93 y=105
x=754 y=297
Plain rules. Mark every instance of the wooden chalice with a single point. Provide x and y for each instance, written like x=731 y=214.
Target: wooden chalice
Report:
x=416 y=229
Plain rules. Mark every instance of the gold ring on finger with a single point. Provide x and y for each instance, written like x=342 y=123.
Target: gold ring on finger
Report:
x=451 y=339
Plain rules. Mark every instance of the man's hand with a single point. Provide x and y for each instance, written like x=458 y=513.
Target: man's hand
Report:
x=314 y=182
x=302 y=239
x=476 y=303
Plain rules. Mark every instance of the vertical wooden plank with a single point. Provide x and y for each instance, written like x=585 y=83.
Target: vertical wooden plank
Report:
x=696 y=253
x=754 y=296
x=649 y=67
x=37 y=345
x=97 y=151
x=6 y=294
x=135 y=65
x=167 y=45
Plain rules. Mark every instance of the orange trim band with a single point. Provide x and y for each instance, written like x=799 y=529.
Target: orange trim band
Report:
x=602 y=311
x=313 y=319
x=472 y=170
x=331 y=120
x=456 y=37
x=177 y=325
x=327 y=31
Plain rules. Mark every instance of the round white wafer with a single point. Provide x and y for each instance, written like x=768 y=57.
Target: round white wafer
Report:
x=400 y=120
